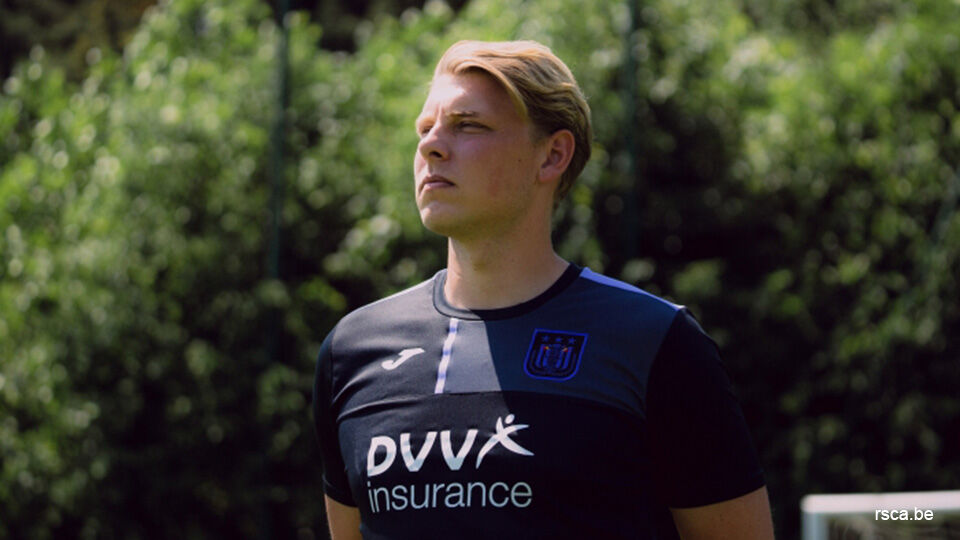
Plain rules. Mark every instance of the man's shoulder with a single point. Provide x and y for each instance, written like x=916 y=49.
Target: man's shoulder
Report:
x=403 y=303
x=607 y=293
x=394 y=323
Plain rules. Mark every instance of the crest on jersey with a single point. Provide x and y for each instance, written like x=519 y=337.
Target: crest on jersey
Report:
x=554 y=354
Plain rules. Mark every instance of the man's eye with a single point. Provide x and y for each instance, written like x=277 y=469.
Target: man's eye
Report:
x=470 y=125
x=424 y=130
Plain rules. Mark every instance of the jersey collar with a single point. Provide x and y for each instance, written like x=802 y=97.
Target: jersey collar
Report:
x=440 y=302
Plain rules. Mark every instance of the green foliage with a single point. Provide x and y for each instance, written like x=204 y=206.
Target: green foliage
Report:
x=855 y=160
x=815 y=18
x=799 y=194
x=74 y=33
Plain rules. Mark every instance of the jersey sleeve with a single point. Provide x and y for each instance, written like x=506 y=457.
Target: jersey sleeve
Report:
x=335 y=484
x=700 y=445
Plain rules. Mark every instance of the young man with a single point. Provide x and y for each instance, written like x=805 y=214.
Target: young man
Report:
x=515 y=395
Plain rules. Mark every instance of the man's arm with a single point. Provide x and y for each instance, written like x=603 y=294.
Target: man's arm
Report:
x=747 y=516
x=344 y=520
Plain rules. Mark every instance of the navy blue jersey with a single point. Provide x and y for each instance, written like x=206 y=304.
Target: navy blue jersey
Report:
x=583 y=413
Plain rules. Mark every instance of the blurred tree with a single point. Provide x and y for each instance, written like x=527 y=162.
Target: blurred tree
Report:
x=813 y=19
x=66 y=30
x=342 y=20
x=75 y=34
x=852 y=157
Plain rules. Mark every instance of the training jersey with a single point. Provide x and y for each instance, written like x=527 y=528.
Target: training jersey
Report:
x=585 y=412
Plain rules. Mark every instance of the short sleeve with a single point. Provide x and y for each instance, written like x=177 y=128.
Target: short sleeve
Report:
x=335 y=483
x=700 y=445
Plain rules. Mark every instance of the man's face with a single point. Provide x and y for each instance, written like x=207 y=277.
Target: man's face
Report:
x=476 y=163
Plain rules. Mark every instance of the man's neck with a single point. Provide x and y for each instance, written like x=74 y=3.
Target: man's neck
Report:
x=498 y=273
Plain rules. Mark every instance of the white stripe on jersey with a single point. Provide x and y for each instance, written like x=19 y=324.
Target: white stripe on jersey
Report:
x=445 y=357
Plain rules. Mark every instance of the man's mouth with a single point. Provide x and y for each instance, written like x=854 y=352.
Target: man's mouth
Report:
x=435 y=181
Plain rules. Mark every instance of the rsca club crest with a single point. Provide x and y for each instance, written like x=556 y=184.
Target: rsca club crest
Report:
x=554 y=355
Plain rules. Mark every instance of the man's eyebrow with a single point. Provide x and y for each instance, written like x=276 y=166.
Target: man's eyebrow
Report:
x=463 y=114
x=452 y=114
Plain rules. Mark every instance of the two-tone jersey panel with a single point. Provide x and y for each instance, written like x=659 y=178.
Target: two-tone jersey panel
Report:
x=469 y=424
x=533 y=421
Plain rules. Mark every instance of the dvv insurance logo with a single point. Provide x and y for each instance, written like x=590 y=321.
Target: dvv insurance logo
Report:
x=382 y=456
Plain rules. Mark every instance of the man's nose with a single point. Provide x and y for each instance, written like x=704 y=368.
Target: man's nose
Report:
x=433 y=145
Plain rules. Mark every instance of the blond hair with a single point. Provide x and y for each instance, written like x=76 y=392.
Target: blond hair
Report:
x=541 y=86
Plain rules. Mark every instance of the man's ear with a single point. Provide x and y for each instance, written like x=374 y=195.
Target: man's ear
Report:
x=558 y=151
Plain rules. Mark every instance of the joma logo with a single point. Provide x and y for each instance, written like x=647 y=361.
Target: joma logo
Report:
x=387 y=448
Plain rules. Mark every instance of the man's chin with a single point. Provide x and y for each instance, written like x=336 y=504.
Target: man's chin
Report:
x=441 y=223
x=443 y=227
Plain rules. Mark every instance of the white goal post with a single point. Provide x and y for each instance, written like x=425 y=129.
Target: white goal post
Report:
x=819 y=510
